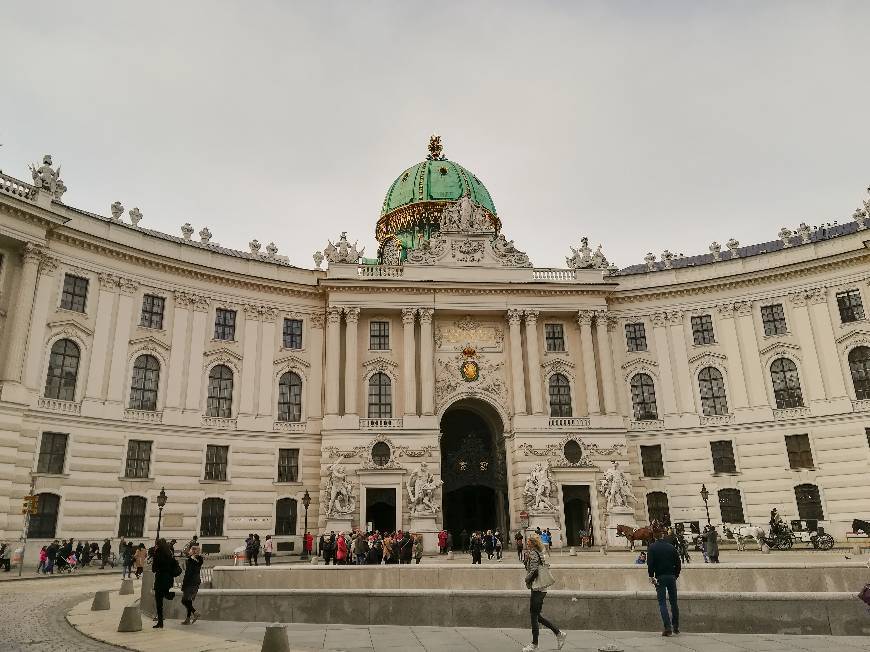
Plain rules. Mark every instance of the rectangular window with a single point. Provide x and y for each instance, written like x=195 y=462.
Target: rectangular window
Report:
x=851 y=308
x=773 y=318
x=211 y=523
x=288 y=465
x=379 y=335
x=216 y=462
x=138 y=459
x=152 y=311
x=554 y=336
x=800 y=455
x=292 y=333
x=651 y=461
x=52 y=453
x=723 y=457
x=702 y=329
x=635 y=336
x=75 y=293
x=285 y=517
x=224 y=324
x=731 y=506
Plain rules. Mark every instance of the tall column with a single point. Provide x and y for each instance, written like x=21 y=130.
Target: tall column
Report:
x=315 y=374
x=427 y=362
x=178 y=352
x=118 y=381
x=534 y=359
x=811 y=373
x=751 y=361
x=825 y=340
x=351 y=364
x=680 y=357
x=514 y=318
x=249 y=358
x=35 y=352
x=16 y=332
x=728 y=335
x=267 y=385
x=409 y=353
x=603 y=325
x=333 y=356
x=666 y=371
x=105 y=306
x=590 y=378
x=193 y=398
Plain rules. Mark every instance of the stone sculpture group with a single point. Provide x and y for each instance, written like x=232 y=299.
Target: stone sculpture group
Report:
x=422 y=485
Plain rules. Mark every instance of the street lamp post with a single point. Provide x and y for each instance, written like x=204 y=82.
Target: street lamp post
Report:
x=705 y=496
x=161 y=503
x=306 y=501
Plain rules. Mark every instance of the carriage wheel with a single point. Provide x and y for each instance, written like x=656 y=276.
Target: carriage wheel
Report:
x=783 y=542
x=825 y=542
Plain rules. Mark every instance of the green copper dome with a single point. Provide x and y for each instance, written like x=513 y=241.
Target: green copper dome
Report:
x=419 y=195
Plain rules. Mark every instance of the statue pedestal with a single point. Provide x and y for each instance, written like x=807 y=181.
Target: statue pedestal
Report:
x=425 y=524
x=619 y=516
x=339 y=524
x=546 y=521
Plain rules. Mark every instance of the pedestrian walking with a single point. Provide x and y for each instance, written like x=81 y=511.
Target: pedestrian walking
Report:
x=406 y=548
x=106 y=554
x=190 y=583
x=5 y=557
x=341 y=549
x=538 y=584
x=488 y=544
x=442 y=542
x=496 y=538
x=43 y=559
x=268 y=547
x=711 y=538
x=139 y=558
x=165 y=569
x=449 y=541
x=663 y=564
x=547 y=541
x=418 y=548
x=476 y=547
x=127 y=560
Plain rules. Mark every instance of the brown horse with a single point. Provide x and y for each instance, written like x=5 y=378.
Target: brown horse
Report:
x=646 y=535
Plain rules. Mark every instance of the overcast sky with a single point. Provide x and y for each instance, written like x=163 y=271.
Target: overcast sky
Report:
x=644 y=125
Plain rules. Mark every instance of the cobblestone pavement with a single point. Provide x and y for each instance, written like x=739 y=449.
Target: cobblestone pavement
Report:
x=33 y=614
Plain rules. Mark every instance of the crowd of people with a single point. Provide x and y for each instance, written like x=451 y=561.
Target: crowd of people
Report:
x=362 y=548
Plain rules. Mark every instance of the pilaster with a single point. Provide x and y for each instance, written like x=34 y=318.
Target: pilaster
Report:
x=534 y=359
x=195 y=380
x=409 y=399
x=427 y=362
x=514 y=318
x=351 y=361
x=590 y=378
x=118 y=381
x=34 y=355
x=604 y=325
x=18 y=324
x=333 y=355
x=316 y=334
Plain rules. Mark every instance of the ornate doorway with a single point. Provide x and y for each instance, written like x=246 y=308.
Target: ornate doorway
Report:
x=381 y=509
x=578 y=512
x=473 y=469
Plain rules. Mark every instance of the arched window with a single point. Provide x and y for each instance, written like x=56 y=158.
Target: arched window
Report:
x=657 y=507
x=43 y=524
x=380 y=397
x=643 y=397
x=132 y=523
x=381 y=454
x=143 y=388
x=712 y=386
x=786 y=384
x=290 y=397
x=211 y=522
x=573 y=451
x=560 y=396
x=859 y=365
x=220 y=392
x=63 y=369
x=809 y=502
x=731 y=506
x=285 y=517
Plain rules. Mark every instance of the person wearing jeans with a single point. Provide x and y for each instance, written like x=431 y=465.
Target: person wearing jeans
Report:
x=534 y=560
x=663 y=565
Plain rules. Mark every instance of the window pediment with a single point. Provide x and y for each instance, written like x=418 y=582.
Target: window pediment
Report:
x=708 y=359
x=291 y=361
x=853 y=339
x=69 y=328
x=149 y=344
x=379 y=364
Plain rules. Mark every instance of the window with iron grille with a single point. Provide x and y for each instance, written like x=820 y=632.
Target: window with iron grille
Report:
x=809 y=502
x=220 y=392
x=132 y=521
x=786 y=384
x=651 y=461
x=635 y=336
x=211 y=522
x=849 y=303
x=643 y=397
x=75 y=293
x=285 y=517
x=292 y=333
x=723 y=456
x=152 y=311
x=216 y=462
x=731 y=506
x=657 y=507
x=712 y=388
x=288 y=464
x=63 y=370
x=143 y=387
x=224 y=324
x=773 y=318
x=859 y=366
x=702 y=329
x=560 y=396
x=554 y=337
x=43 y=524
x=379 y=335
x=290 y=397
x=138 y=464
x=800 y=455
x=52 y=453
x=380 y=397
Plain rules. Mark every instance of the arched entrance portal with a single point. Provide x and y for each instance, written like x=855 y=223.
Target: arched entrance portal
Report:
x=473 y=469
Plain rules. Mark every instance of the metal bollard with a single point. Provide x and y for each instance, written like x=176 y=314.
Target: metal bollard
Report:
x=131 y=620
x=126 y=587
x=275 y=639
x=101 y=601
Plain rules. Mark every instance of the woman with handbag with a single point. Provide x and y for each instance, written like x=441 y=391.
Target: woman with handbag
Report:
x=538 y=580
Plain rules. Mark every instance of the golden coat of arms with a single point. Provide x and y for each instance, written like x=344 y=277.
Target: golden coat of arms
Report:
x=470 y=371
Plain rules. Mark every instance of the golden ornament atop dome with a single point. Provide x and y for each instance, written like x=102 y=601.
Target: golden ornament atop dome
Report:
x=436 y=149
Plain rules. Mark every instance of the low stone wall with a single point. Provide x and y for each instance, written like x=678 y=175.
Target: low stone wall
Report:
x=738 y=577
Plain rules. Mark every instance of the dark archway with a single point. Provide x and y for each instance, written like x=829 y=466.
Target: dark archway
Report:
x=381 y=509
x=473 y=470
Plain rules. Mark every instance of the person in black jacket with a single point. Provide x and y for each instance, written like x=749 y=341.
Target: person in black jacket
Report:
x=663 y=564
x=476 y=548
x=163 y=564
x=190 y=583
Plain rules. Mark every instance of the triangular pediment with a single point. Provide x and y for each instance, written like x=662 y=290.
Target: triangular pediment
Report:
x=149 y=342
x=708 y=356
x=292 y=360
x=779 y=346
x=70 y=326
x=222 y=352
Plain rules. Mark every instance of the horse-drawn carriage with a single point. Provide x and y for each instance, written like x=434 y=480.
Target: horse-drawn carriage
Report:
x=781 y=536
x=809 y=531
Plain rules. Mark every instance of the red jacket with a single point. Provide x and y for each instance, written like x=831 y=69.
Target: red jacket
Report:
x=442 y=538
x=341 y=553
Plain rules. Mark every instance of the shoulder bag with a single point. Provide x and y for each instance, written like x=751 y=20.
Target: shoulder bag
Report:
x=544 y=579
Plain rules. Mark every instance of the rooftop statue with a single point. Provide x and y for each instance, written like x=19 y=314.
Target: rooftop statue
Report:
x=583 y=258
x=342 y=252
x=46 y=178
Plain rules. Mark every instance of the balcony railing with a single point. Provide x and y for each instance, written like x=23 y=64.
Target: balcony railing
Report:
x=646 y=424
x=221 y=423
x=380 y=271
x=143 y=416
x=861 y=406
x=380 y=424
x=552 y=274
x=289 y=426
x=717 y=420
x=55 y=405
x=791 y=413
x=12 y=186
x=570 y=422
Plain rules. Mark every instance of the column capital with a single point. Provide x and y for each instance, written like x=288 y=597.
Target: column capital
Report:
x=31 y=253
x=333 y=315
x=48 y=265
x=426 y=315
x=191 y=300
x=514 y=316
x=531 y=316
x=409 y=315
x=584 y=317
x=108 y=281
x=317 y=319
x=667 y=318
x=351 y=315
x=817 y=295
x=127 y=285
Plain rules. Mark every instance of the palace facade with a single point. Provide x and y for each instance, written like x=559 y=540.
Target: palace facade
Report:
x=134 y=361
